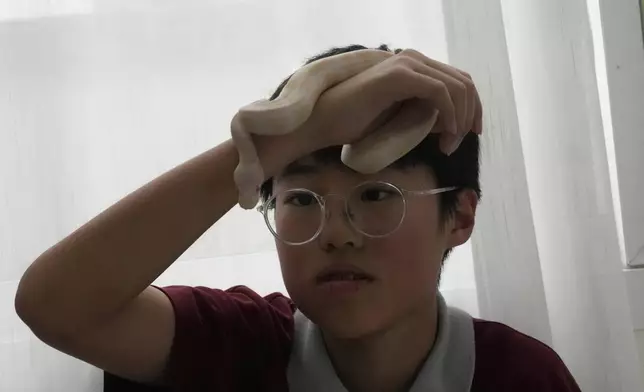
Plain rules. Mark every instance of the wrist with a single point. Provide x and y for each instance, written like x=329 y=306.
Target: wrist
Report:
x=275 y=152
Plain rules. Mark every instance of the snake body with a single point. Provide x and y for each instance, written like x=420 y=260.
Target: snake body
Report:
x=292 y=108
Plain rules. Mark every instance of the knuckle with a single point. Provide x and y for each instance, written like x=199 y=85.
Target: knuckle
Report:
x=441 y=90
x=391 y=80
x=470 y=91
x=466 y=75
x=410 y=52
x=403 y=61
x=460 y=94
x=469 y=84
x=399 y=70
x=441 y=87
x=460 y=88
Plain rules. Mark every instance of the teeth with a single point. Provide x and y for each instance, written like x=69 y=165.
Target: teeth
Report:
x=346 y=276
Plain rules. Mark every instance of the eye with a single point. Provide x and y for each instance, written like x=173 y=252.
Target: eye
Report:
x=375 y=194
x=300 y=199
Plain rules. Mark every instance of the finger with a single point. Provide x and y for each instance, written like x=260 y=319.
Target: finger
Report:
x=478 y=111
x=448 y=69
x=383 y=118
x=478 y=116
x=473 y=101
x=449 y=143
x=405 y=83
x=302 y=90
x=471 y=106
x=457 y=91
x=413 y=121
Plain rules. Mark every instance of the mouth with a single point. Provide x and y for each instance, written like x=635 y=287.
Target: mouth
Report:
x=343 y=274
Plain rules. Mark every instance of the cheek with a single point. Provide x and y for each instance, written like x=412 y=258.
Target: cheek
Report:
x=411 y=258
x=296 y=265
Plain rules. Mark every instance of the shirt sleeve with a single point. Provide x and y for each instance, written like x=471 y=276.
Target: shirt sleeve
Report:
x=228 y=340
x=508 y=360
x=550 y=374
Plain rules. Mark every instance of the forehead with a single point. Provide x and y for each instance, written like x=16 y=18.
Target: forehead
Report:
x=324 y=171
x=311 y=165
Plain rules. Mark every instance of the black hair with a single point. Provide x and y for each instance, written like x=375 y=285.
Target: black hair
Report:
x=461 y=169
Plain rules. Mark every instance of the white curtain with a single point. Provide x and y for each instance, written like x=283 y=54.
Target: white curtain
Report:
x=98 y=97
x=547 y=249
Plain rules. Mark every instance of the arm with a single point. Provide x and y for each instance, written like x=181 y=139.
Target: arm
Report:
x=89 y=295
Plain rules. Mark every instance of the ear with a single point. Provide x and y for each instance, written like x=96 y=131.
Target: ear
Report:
x=461 y=223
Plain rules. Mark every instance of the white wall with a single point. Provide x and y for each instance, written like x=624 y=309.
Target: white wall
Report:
x=93 y=106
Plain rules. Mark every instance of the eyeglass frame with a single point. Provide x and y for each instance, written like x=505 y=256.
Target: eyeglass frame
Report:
x=321 y=199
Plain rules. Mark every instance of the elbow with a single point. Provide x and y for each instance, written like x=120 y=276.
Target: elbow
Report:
x=34 y=312
x=24 y=303
x=26 y=307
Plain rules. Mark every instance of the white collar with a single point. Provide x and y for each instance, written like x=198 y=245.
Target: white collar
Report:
x=448 y=368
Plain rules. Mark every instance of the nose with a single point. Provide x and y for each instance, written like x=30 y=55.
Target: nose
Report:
x=338 y=232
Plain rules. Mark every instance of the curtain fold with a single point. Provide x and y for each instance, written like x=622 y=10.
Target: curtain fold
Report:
x=553 y=266
x=508 y=272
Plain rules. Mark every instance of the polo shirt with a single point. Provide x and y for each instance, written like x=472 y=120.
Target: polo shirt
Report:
x=237 y=340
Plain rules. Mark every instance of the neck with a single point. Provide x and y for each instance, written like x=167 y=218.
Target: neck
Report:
x=388 y=360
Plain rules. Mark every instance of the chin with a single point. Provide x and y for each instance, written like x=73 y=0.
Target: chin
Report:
x=347 y=326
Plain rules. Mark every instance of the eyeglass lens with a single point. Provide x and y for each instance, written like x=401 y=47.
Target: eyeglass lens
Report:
x=296 y=216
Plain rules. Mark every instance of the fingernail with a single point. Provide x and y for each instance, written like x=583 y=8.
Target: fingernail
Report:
x=454 y=146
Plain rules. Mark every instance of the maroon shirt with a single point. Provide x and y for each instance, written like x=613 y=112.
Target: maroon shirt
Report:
x=236 y=340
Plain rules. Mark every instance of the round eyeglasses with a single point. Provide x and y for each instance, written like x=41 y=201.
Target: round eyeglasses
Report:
x=375 y=209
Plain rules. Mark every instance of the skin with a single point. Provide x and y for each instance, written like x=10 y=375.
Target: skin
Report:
x=388 y=327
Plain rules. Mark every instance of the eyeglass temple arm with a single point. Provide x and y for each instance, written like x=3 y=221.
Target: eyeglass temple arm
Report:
x=435 y=191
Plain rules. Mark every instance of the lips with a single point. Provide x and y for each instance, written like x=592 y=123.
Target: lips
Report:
x=343 y=274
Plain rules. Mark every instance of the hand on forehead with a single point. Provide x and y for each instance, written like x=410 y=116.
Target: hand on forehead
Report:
x=361 y=85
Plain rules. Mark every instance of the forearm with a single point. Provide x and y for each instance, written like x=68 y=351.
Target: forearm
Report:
x=96 y=270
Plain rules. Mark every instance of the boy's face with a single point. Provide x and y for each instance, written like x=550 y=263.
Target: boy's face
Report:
x=403 y=268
